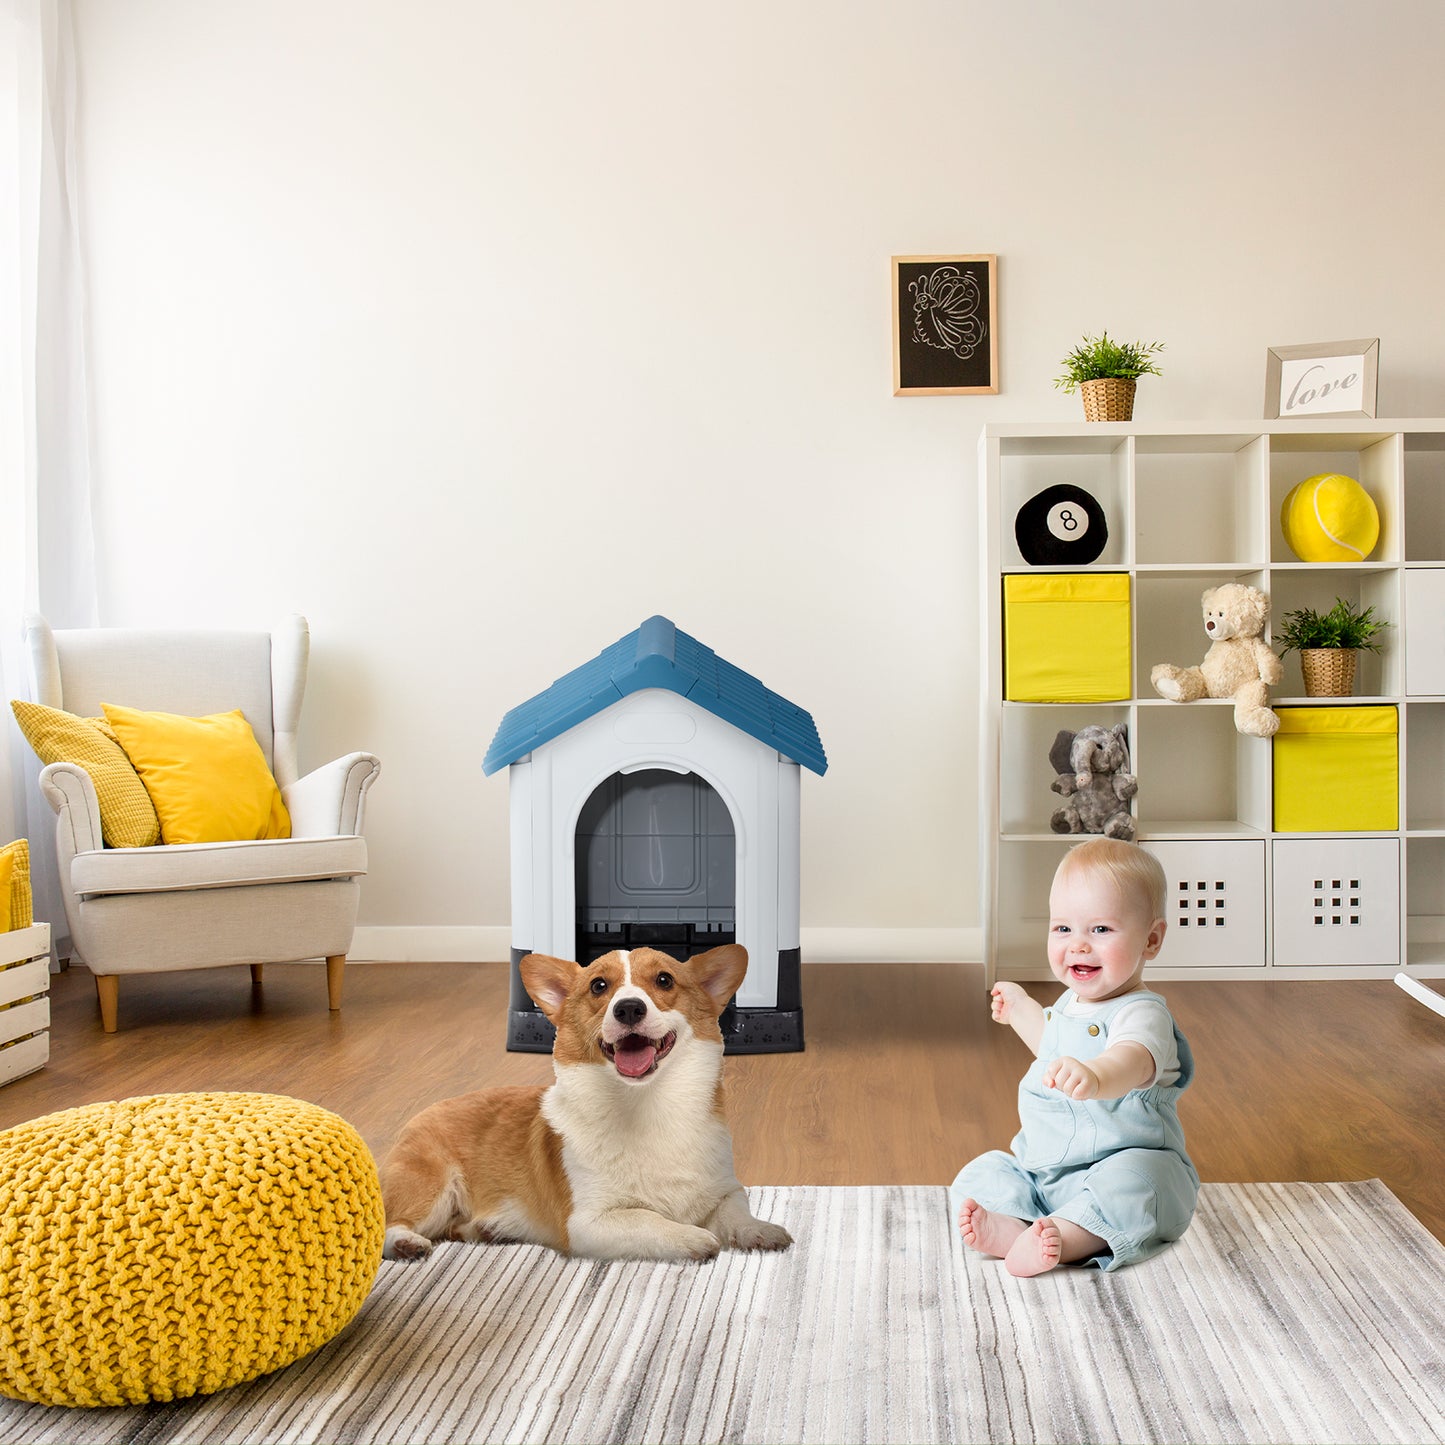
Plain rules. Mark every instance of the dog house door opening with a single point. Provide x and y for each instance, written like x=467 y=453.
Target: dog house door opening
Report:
x=656 y=866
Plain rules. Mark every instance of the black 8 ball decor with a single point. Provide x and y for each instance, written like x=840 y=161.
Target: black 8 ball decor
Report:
x=1062 y=526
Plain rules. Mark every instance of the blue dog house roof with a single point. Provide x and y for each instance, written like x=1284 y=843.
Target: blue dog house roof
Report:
x=658 y=655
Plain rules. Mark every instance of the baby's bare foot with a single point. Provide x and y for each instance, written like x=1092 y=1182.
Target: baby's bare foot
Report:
x=985 y=1232
x=1036 y=1251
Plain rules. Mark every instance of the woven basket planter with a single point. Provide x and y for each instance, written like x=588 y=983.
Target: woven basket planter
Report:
x=1110 y=398
x=1328 y=671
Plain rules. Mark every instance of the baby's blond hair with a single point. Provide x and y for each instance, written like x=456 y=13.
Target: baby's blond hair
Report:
x=1135 y=873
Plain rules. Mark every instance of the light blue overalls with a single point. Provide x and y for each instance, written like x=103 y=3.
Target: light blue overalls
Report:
x=1116 y=1167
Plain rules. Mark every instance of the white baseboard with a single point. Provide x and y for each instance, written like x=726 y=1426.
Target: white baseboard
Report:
x=490 y=943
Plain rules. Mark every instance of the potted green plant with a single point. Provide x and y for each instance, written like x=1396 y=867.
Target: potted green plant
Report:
x=1329 y=644
x=1104 y=372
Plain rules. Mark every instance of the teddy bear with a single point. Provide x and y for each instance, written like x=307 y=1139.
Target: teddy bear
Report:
x=1093 y=769
x=1239 y=663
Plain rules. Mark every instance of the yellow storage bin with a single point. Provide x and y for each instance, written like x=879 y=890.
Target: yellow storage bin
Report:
x=1337 y=770
x=1066 y=637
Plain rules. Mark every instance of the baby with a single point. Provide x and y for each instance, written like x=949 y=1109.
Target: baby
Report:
x=1098 y=1171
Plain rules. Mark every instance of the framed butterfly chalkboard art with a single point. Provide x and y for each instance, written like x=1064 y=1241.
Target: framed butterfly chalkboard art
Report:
x=945 y=325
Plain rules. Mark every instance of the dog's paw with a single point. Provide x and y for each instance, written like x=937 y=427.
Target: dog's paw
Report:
x=640 y=1234
x=759 y=1234
x=405 y=1244
x=695 y=1244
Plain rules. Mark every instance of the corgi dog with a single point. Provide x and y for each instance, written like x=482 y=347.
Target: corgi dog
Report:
x=626 y=1156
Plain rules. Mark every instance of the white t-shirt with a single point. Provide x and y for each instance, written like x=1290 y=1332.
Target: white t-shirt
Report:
x=1144 y=1022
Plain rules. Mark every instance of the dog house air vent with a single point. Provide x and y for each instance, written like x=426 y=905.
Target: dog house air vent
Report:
x=656 y=800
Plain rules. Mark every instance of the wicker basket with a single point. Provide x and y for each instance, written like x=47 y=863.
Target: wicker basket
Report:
x=1109 y=398
x=1328 y=671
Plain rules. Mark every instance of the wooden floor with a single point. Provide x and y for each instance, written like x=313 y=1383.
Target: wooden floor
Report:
x=904 y=1078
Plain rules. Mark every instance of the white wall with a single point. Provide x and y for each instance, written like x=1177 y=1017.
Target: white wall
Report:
x=478 y=332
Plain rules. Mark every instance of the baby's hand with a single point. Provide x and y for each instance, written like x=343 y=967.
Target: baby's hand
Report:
x=1005 y=996
x=1071 y=1078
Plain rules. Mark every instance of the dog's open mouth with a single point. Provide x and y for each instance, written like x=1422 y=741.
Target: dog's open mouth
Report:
x=634 y=1056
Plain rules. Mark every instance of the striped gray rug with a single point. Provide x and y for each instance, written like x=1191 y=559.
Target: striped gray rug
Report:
x=1290 y=1312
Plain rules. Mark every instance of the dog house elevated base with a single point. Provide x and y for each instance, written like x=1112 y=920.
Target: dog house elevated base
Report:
x=656 y=801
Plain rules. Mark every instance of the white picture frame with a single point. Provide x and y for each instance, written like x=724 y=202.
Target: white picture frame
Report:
x=1327 y=378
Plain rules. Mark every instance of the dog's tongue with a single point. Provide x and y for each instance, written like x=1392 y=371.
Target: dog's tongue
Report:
x=634 y=1055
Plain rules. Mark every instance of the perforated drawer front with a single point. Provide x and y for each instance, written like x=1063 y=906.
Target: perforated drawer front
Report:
x=1336 y=901
x=1214 y=905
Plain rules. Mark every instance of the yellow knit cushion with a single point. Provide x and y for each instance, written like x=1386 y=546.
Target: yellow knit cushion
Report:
x=207 y=776
x=177 y=1244
x=15 y=906
x=127 y=815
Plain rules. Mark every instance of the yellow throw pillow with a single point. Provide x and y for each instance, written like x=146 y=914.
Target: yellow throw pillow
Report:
x=127 y=815
x=16 y=910
x=207 y=776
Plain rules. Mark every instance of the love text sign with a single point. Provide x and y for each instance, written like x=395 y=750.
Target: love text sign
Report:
x=1336 y=378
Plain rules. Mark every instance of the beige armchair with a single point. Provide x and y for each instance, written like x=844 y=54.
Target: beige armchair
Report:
x=202 y=905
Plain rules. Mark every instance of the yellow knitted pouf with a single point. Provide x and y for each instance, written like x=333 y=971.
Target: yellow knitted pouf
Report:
x=177 y=1244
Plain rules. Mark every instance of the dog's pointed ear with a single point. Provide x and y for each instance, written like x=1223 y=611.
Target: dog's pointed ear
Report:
x=720 y=971
x=548 y=980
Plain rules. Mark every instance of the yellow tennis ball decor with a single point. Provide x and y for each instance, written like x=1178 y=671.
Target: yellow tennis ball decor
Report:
x=1330 y=518
x=177 y=1244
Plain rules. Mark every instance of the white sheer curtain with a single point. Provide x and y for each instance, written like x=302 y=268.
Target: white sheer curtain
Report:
x=47 y=553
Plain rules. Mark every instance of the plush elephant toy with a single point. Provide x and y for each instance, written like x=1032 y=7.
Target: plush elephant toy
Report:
x=1094 y=778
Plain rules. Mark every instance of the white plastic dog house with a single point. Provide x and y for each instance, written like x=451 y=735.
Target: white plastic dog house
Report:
x=655 y=797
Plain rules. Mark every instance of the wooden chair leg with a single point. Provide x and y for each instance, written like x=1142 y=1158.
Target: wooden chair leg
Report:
x=107 y=988
x=335 y=966
x=256 y=972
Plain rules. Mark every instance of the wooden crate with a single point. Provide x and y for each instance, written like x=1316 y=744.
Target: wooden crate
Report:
x=24 y=1001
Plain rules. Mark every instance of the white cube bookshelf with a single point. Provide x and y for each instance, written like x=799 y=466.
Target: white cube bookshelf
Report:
x=1189 y=507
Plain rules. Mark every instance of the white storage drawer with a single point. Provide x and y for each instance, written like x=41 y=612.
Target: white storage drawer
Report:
x=24 y=1001
x=1215 y=904
x=1336 y=901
